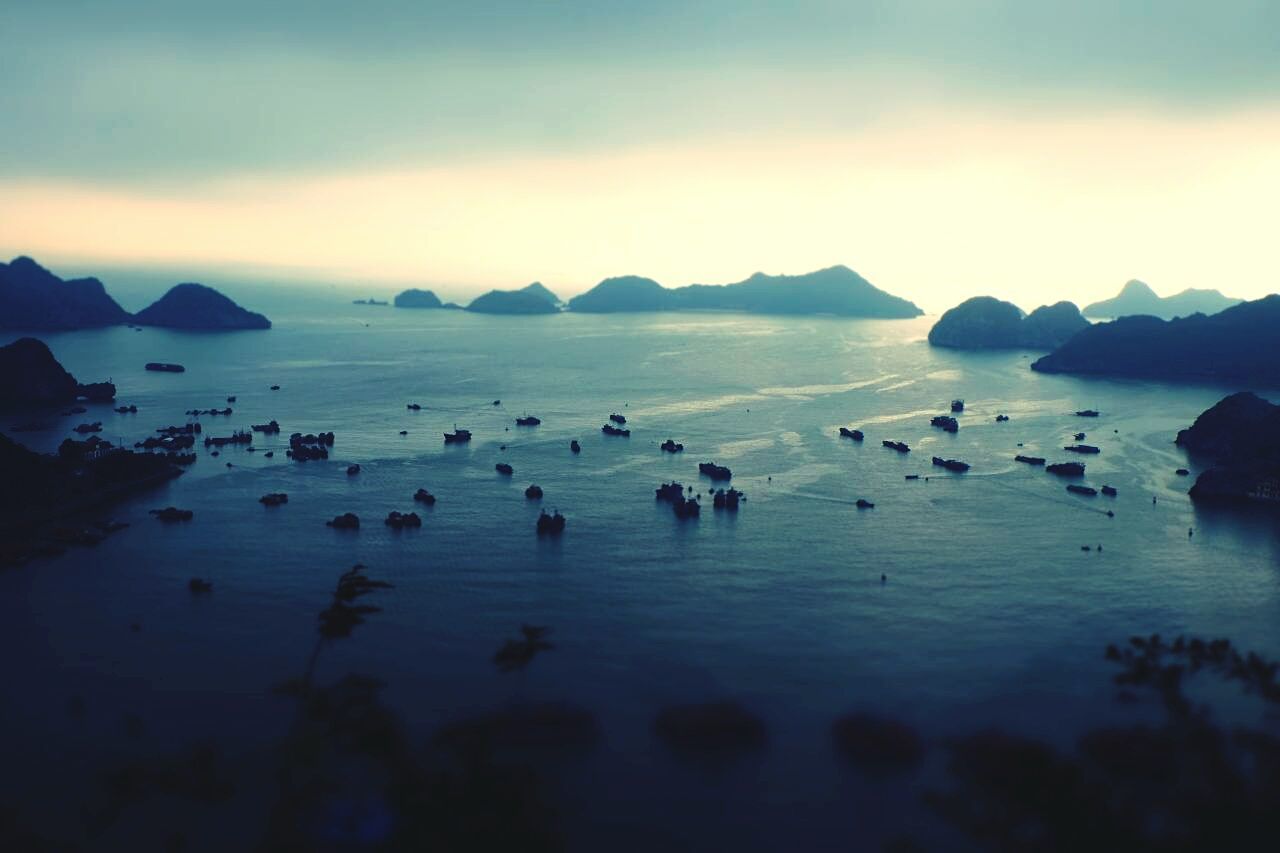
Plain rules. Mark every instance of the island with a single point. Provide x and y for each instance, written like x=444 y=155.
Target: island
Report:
x=31 y=377
x=985 y=322
x=39 y=489
x=415 y=298
x=33 y=298
x=198 y=308
x=1137 y=298
x=1236 y=345
x=1240 y=437
x=835 y=290
x=542 y=290
x=512 y=302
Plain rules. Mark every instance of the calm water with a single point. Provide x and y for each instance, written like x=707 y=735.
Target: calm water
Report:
x=992 y=614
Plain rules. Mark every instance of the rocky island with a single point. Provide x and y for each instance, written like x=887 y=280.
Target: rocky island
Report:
x=1240 y=436
x=200 y=308
x=415 y=298
x=1137 y=298
x=985 y=322
x=30 y=376
x=31 y=297
x=835 y=290
x=1238 y=345
x=524 y=301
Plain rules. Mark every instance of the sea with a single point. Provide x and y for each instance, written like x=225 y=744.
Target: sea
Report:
x=958 y=603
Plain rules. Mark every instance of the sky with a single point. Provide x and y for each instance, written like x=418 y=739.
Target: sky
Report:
x=1033 y=151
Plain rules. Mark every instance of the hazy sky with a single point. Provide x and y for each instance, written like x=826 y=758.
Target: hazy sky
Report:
x=1030 y=150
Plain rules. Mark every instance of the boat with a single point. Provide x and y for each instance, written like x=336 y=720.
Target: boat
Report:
x=425 y=497
x=352 y=470
x=1182 y=472
x=528 y=420
x=574 y=446
x=946 y=423
x=686 y=507
x=534 y=492
x=672 y=446
x=727 y=498
x=670 y=492
x=899 y=446
x=399 y=520
x=413 y=407
x=1082 y=448
x=957 y=405
x=504 y=468
x=863 y=503
x=913 y=477
x=855 y=434
x=1079 y=436
x=550 y=525
x=1001 y=418
x=164 y=367
x=274 y=499
x=617 y=418
x=1109 y=491
x=1067 y=469
x=171 y=513
x=1076 y=488
x=1087 y=413
x=951 y=464
x=458 y=436
x=610 y=429
x=269 y=428
x=1030 y=460
x=714 y=471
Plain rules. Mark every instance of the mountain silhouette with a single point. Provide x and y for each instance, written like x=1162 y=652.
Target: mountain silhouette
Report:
x=31 y=297
x=197 y=307
x=512 y=302
x=1137 y=298
x=985 y=322
x=1238 y=344
x=834 y=290
x=415 y=298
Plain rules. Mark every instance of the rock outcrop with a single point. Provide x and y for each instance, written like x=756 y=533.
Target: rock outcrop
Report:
x=415 y=298
x=200 y=308
x=30 y=376
x=31 y=297
x=1236 y=345
x=984 y=322
x=1240 y=436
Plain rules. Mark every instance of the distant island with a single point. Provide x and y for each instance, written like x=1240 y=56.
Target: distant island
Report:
x=196 y=307
x=30 y=376
x=31 y=297
x=1241 y=435
x=835 y=290
x=1238 y=344
x=1137 y=298
x=533 y=299
x=985 y=322
x=415 y=298
x=542 y=290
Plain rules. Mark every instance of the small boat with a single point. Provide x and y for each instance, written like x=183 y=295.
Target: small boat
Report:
x=1030 y=460
x=458 y=436
x=274 y=499
x=550 y=525
x=528 y=420
x=727 y=498
x=424 y=497
x=1001 y=418
x=672 y=446
x=497 y=402
x=504 y=468
x=1182 y=472
x=951 y=464
x=855 y=434
x=1079 y=436
x=231 y=399
x=957 y=405
x=352 y=470
x=413 y=407
x=617 y=418
x=863 y=503
x=275 y=387
x=533 y=493
x=913 y=477
x=899 y=446
x=574 y=446
x=1087 y=413
x=610 y=429
x=945 y=423
x=1067 y=469
x=399 y=520
x=1082 y=448
x=1109 y=491
x=1076 y=488
x=164 y=367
